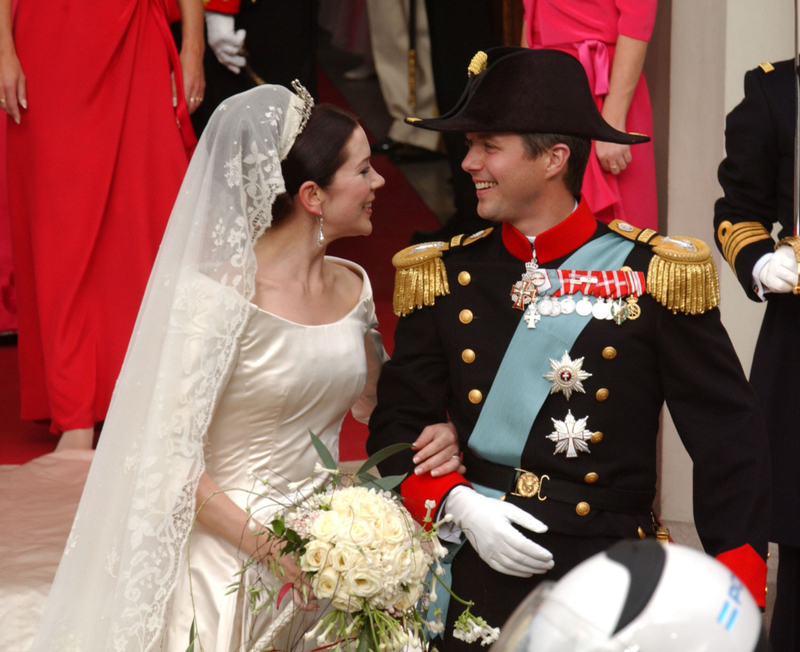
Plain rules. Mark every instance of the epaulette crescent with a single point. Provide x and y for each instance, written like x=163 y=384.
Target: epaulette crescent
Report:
x=420 y=274
x=682 y=275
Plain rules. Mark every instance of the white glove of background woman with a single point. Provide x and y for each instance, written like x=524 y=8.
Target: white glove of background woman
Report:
x=225 y=40
x=486 y=522
x=779 y=273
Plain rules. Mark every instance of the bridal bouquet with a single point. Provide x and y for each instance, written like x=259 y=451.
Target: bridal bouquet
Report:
x=359 y=548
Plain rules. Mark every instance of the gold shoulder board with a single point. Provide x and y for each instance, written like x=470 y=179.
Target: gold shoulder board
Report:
x=420 y=274
x=682 y=275
x=766 y=66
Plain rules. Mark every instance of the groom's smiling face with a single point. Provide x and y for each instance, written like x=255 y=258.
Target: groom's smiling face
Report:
x=507 y=180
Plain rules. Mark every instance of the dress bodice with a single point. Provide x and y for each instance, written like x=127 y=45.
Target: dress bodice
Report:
x=288 y=379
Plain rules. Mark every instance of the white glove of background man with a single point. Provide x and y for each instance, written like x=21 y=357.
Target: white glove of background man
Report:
x=779 y=273
x=486 y=522
x=225 y=40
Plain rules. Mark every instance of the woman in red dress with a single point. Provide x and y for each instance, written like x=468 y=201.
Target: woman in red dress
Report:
x=96 y=155
x=609 y=37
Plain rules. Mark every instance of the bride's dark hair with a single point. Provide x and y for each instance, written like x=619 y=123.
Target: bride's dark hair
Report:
x=316 y=154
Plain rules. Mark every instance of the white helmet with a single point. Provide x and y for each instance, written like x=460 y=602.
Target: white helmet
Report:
x=639 y=596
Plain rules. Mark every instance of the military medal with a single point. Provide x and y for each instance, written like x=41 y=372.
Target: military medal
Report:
x=634 y=309
x=532 y=315
x=556 y=311
x=533 y=283
x=567 y=305
x=601 y=309
x=567 y=375
x=584 y=307
x=545 y=306
x=570 y=436
x=619 y=311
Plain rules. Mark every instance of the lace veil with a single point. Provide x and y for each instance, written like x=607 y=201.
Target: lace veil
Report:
x=127 y=543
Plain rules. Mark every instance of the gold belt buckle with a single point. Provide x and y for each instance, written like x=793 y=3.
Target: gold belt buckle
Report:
x=529 y=485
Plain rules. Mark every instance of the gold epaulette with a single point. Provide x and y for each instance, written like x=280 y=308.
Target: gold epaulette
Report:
x=682 y=275
x=735 y=237
x=766 y=66
x=420 y=274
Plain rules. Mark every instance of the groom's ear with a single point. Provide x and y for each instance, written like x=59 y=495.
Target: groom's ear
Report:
x=310 y=196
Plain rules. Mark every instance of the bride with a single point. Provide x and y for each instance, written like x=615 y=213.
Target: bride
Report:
x=248 y=337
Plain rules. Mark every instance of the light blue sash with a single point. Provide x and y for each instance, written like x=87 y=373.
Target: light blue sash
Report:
x=519 y=388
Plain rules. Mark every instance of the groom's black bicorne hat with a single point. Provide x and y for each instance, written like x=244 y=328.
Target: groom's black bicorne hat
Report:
x=517 y=90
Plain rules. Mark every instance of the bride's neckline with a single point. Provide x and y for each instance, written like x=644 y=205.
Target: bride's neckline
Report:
x=365 y=289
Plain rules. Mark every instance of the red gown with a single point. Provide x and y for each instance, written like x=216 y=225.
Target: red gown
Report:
x=93 y=168
x=8 y=298
x=588 y=30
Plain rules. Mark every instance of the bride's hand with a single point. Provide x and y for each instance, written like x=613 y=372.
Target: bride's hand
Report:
x=438 y=451
x=302 y=595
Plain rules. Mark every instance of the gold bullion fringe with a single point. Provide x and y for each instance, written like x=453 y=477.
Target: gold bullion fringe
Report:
x=688 y=287
x=419 y=286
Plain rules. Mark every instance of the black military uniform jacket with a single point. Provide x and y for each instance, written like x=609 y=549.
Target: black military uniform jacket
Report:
x=757 y=179
x=445 y=360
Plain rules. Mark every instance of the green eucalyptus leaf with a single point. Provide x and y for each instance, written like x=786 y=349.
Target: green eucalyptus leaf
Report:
x=323 y=452
x=387 y=484
x=382 y=454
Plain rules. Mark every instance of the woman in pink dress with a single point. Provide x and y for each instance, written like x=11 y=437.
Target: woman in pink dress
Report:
x=609 y=37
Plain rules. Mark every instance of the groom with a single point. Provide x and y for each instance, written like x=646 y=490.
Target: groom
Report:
x=551 y=342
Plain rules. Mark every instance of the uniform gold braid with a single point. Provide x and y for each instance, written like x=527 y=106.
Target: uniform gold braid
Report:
x=681 y=280
x=420 y=274
x=735 y=237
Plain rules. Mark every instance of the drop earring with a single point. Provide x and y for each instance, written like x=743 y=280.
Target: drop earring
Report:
x=320 y=233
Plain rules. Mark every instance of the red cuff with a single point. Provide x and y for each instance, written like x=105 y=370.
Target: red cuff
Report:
x=416 y=489
x=750 y=568
x=222 y=6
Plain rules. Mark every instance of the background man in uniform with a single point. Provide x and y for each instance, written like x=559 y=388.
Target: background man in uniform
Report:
x=557 y=403
x=757 y=177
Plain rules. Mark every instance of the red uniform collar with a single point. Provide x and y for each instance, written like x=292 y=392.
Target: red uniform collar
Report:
x=566 y=236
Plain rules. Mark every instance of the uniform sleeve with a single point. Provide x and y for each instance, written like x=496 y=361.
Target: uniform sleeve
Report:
x=636 y=18
x=376 y=357
x=222 y=6
x=717 y=416
x=743 y=217
x=412 y=394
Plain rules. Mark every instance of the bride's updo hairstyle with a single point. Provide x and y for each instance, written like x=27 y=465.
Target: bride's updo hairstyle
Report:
x=316 y=155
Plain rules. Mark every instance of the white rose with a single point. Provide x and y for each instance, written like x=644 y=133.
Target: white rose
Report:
x=395 y=529
x=410 y=598
x=325 y=583
x=343 y=601
x=315 y=556
x=344 y=557
x=358 y=531
x=326 y=526
x=369 y=506
x=362 y=582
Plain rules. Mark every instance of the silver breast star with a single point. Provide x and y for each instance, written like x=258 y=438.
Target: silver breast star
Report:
x=570 y=435
x=567 y=375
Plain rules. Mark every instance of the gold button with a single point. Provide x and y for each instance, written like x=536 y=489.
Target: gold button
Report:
x=590 y=477
x=465 y=316
x=602 y=394
x=464 y=278
x=596 y=437
x=468 y=356
x=641 y=533
x=582 y=509
x=475 y=396
x=609 y=353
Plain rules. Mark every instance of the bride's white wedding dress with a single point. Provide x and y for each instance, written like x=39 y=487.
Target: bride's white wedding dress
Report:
x=288 y=379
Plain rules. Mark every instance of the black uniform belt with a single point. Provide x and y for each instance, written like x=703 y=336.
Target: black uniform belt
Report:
x=504 y=478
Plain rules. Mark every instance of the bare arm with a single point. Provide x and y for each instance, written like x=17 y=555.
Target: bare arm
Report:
x=220 y=515
x=192 y=47
x=625 y=72
x=12 y=79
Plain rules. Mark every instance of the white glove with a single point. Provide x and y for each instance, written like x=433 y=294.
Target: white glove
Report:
x=779 y=273
x=486 y=522
x=225 y=41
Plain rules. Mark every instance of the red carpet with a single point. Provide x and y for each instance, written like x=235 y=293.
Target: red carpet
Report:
x=398 y=212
